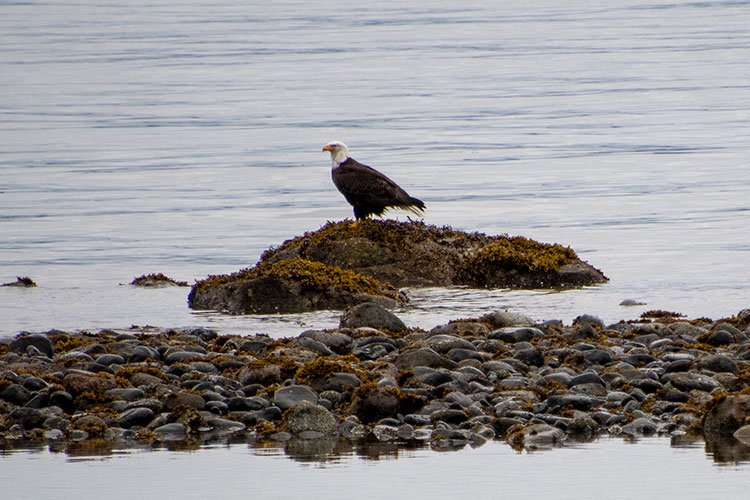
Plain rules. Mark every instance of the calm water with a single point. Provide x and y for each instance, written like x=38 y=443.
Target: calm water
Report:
x=184 y=138
x=609 y=468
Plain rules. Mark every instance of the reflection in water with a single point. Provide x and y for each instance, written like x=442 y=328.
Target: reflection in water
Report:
x=722 y=450
x=727 y=450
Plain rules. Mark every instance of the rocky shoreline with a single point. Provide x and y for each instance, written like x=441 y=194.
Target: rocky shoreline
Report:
x=501 y=376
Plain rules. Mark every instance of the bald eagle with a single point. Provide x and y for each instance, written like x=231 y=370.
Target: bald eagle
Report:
x=367 y=190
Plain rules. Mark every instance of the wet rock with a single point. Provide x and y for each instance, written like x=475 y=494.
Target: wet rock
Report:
x=16 y=394
x=373 y=404
x=338 y=342
x=290 y=396
x=640 y=426
x=687 y=381
x=139 y=379
x=78 y=383
x=135 y=417
x=307 y=416
x=373 y=316
x=340 y=381
x=63 y=400
x=586 y=378
x=537 y=436
x=718 y=363
x=531 y=357
x=128 y=393
x=170 y=432
x=720 y=338
x=313 y=345
x=743 y=434
x=339 y=265
x=37 y=341
x=143 y=353
x=28 y=418
x=503 y=318
x=512 y=334
x=264 y=375
x=173 y=400
x=727 y=414
x=422 y=357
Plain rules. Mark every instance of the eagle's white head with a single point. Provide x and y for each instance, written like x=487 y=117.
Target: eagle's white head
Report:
x=339 y=152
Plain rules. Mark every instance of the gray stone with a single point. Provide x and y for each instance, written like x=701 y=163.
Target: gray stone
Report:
x=128 y=394
x=144 y=353
x=502 y=318
x=371 y=315
x=340 y=381
x=598 y=356
x=38 y=341
x=16 y=394
x=170 y=432
x=28 y=418
x=727 y=415
x=110 y=359
x=290 y=396
x=172 y=401
x=538 y=436
x=743 y=434
x=588 y=319
x=135 y=417
x=338 y=342
x=718 y=363
x=460 y=354
x=307 y=416
x=687 y=381
x=224 y=426
x=512 y=334
x=640 y=426
x=586 y=378
x=444 y=343
x=313 y=345
x=422 y=357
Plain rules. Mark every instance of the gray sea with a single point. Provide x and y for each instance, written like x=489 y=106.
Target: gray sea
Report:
x=184 y=137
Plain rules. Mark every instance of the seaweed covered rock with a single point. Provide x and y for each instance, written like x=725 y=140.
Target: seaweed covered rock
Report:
x=287 y=286
x=344 y=264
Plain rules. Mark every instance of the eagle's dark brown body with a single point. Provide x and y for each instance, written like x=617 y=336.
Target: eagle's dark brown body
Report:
x=371 y=192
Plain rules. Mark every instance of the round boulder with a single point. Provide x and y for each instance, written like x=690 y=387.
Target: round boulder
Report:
x=292 y=395
x=36 y=340
x=307 y=416
x=371 y=315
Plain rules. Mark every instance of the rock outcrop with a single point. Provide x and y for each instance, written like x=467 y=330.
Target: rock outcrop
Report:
x=344 y=264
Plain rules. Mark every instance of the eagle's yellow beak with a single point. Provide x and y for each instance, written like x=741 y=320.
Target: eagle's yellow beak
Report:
x=327 y=147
